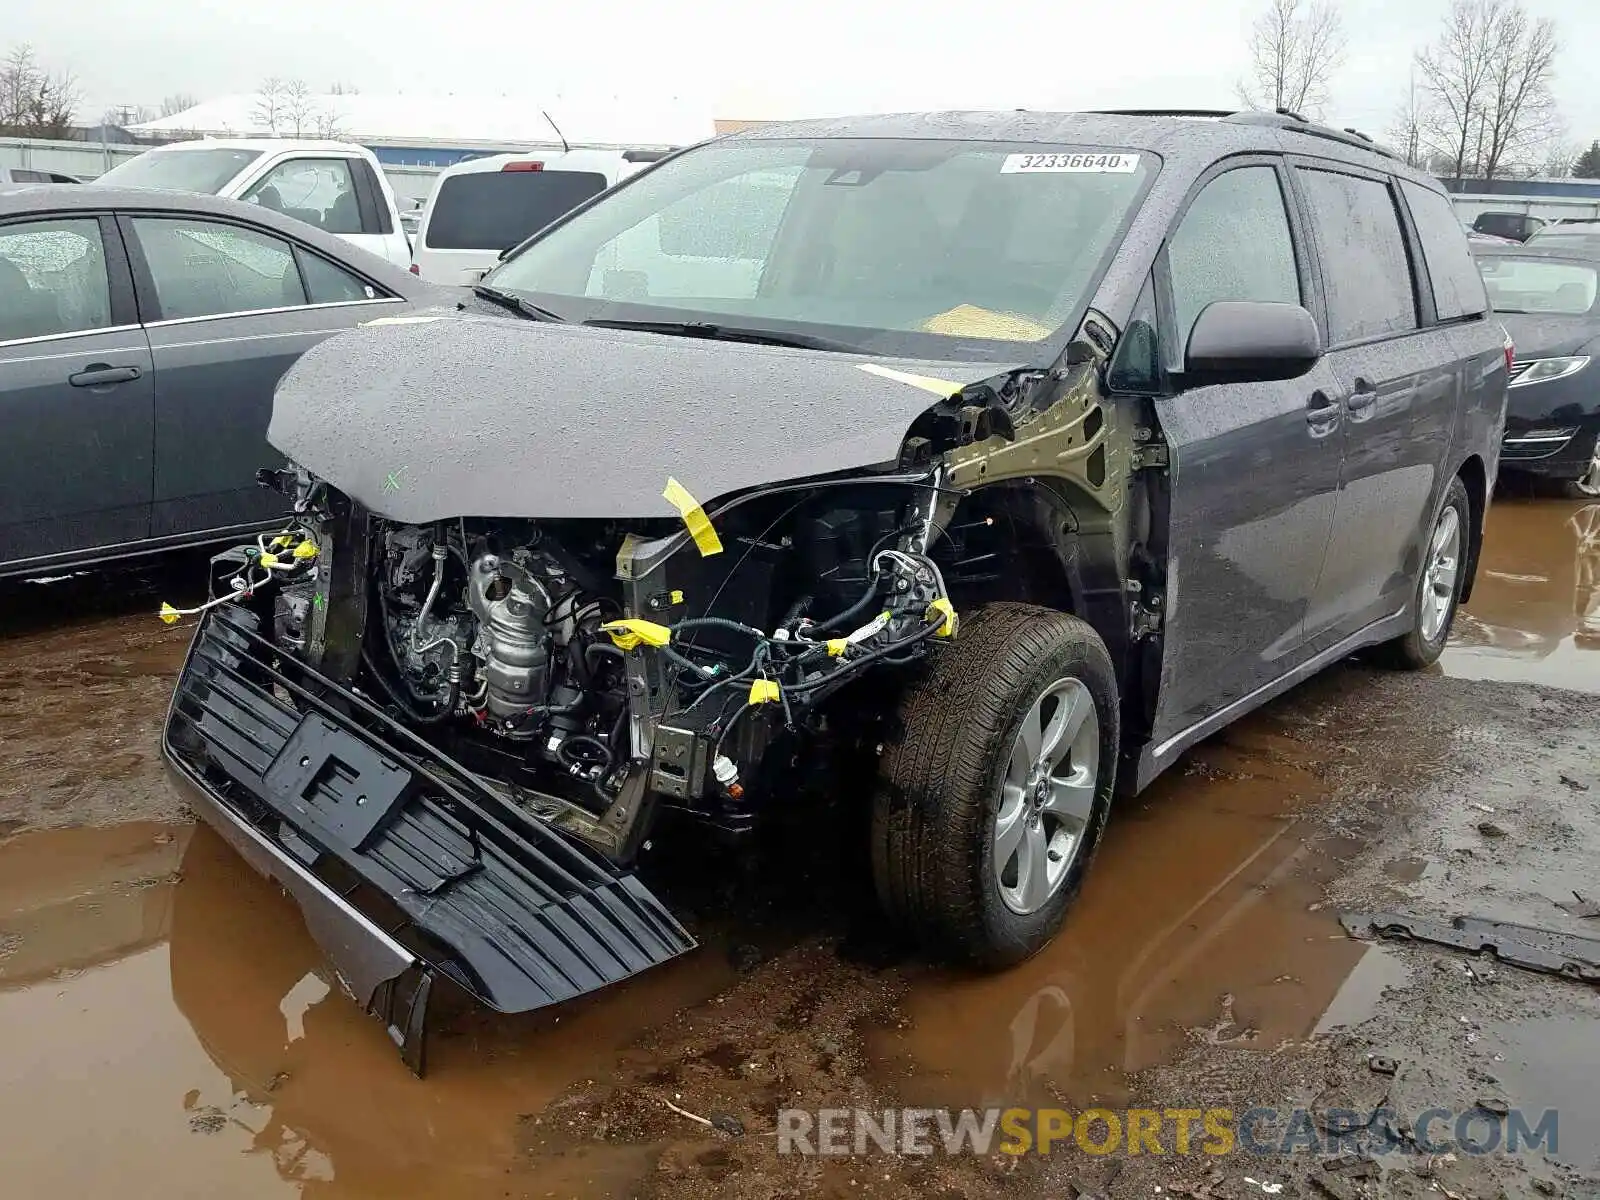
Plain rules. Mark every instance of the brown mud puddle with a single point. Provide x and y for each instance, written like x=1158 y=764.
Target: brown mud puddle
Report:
x=1535 y=610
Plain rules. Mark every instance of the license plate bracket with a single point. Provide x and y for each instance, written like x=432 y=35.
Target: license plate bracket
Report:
x=334 y=786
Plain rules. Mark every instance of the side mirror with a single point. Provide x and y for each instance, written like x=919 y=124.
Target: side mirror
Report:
x=1250 y=341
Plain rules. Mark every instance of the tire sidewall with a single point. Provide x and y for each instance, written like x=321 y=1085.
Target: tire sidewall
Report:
x=1455 y=497
x=1016 y=935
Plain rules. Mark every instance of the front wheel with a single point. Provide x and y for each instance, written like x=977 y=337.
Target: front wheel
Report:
x=1587 y=485
x=1438 y=590
x=993 y=792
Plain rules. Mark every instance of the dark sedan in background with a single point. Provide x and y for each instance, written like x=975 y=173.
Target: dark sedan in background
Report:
x=1549 y=302
x=141 y=336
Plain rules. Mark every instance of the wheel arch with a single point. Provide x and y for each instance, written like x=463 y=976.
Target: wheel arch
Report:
x=1474 y=477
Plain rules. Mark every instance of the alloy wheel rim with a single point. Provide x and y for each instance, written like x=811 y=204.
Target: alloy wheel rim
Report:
x=1047 y=796
x=1439 y=577
x=1589 y=484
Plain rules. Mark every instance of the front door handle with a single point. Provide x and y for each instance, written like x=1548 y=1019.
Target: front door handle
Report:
x=1322 y=413
x=101 y=374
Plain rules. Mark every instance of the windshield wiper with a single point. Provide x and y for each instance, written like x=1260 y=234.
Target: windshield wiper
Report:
x=729 y=333
x=516 y=304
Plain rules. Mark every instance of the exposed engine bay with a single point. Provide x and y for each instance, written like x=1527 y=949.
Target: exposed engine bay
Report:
x=587 y=666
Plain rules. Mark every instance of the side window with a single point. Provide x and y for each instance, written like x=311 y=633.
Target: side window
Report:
x=318 y=191
x=52 y=279
x=330 y=284
x=1457 y=286
x=206 y=269
x=1233 y=244
x=1366 y=270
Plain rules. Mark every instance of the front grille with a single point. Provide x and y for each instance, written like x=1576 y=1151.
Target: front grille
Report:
x=526 y=916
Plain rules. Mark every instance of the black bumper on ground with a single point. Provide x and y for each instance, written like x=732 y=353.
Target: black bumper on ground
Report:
x=406 y=866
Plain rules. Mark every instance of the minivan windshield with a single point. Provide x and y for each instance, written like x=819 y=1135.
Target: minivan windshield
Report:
x=946 y=249
x=204 y=169
x=1539 y=285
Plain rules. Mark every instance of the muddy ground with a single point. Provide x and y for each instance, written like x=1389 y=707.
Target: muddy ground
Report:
x=167 y=1028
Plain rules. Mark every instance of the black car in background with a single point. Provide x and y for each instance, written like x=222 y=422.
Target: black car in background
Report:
x=1549 y=302
x=141 y=336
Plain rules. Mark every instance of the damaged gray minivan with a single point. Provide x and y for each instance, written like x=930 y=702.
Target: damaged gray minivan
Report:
x=964 y=466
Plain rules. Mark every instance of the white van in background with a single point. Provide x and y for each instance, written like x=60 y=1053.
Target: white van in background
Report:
x=335 y=186
x=484 y=206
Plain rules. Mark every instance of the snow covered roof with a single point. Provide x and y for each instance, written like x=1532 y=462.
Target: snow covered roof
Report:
x=478 y=122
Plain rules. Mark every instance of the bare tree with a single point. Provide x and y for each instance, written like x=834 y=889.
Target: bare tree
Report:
x=326 y=123
x=344 y=89
x=299 y=107
x=269 y=106
x=1520 y=117
x=1487 y=82
x=1406 y=130
x=34 y=102
x=1295 y=48
x=176 y=103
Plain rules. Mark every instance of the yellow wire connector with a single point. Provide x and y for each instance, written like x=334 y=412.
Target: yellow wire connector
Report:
x=764 y=691
x=633 y=632
x=837 y=646
x=943 y=607
x=694 y=517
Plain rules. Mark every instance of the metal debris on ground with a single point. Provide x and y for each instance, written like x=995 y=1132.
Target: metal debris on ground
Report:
x=1579 y=906
x=1383 y=1065
x=1528 y=946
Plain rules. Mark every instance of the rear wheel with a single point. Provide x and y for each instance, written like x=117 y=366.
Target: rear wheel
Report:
x=1438 y=588
x=994 y=791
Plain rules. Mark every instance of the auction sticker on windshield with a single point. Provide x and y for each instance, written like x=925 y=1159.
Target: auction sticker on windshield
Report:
x=1117 y=164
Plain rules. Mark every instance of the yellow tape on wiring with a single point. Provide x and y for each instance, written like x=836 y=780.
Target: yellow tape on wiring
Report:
x=634 y=632
x=168 y=613
x=694 y=517
x=764 y=691
x=837 y=646
x=942 y=607
x=306 y=549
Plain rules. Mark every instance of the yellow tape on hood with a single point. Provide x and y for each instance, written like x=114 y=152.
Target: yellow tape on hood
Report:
x=694 y=517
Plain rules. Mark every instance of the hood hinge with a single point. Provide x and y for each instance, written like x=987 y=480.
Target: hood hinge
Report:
x=1149 y=450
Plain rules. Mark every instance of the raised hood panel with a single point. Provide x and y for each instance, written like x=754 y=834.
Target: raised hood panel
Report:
x=425 y=418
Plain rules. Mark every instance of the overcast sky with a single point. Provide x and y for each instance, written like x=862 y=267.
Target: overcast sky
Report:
x=744 y=59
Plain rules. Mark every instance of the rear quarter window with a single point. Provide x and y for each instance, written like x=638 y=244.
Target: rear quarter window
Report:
x=494 y=210
x=1366 y=270
x=1457 y=286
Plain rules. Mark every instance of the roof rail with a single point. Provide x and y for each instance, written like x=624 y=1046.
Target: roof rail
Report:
x=1294 y=123
x=1161 y=112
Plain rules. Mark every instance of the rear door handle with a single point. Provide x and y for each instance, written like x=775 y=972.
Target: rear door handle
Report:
x=1362 y=397
x=101 y=374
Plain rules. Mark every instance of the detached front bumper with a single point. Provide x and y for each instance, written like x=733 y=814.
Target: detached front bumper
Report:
x=405 y=865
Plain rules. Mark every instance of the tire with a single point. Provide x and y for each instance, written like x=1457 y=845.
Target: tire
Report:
x=939 y=790
x=1430 y=624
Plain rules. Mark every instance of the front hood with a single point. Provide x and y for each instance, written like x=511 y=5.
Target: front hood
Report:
x=422 y=418
x=1547 y=336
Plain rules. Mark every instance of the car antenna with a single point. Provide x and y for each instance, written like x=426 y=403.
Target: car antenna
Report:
x=566 y=148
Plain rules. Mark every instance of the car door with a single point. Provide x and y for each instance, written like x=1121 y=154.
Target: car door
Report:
x=338 y=194
x=227 y=307
x=1253 y=467
x=1402 y=379
x=76 y=391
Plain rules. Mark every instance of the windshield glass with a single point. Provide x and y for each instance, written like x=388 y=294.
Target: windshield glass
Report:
x=1535 y=285
x=926 y=248
x=203 y=169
